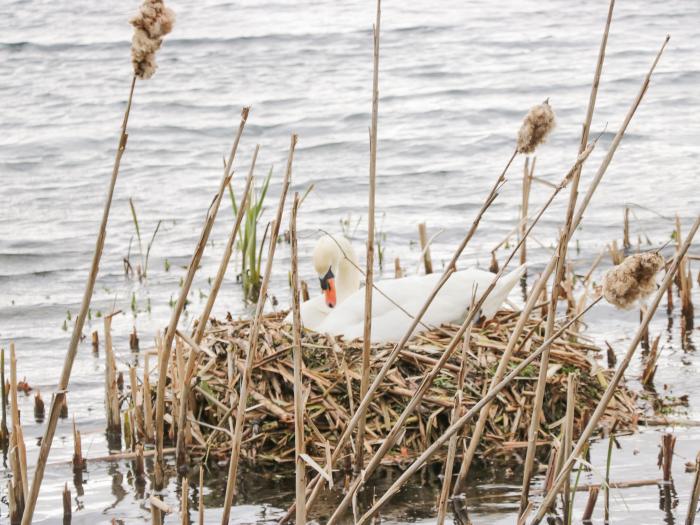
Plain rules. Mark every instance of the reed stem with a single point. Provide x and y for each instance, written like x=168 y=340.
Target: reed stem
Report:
x=253 y=343
x=566 y=235
x=299 y=444
x=228 y=252
x=4 y=432
x=369 y=272
x=77 y=333
x=111 y=391
x=185 y=290
x=695 y=495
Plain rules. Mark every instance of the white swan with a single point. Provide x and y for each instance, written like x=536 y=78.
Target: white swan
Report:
x=340 y=311
x=336 y=264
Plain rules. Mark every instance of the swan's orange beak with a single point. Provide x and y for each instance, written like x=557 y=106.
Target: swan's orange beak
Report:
x=330 y=293
x=328 y=287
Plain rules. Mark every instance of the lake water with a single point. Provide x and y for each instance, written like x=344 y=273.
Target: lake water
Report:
x=456 y=80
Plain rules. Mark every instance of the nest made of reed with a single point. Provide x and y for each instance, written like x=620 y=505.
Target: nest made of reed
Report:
x=332 y=376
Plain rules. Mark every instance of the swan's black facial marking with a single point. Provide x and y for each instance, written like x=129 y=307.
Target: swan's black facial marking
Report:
x=325 y=284
x=328 y=287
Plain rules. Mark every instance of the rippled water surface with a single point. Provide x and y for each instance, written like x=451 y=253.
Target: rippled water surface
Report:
x=456 y=79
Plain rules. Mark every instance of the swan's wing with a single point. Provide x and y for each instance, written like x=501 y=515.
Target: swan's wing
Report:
x=500 y=293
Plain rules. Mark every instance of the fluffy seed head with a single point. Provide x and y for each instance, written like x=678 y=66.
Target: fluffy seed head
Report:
x=632 y=280
x=152 y=22
x=538 y=123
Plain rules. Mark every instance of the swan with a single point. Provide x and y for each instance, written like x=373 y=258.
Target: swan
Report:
x=336 y=264
x=340 y=310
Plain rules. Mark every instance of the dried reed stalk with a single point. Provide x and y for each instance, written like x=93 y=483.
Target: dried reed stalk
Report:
x=695 y=495
x=398 y=271
x=111 y=392
x=183 y=431
x=463 y=420
x=95 y=338
x=647 y=378
x=612 y=385
x=299 y=444
x=184 y=502
x=605 y=163
x=78 y=459
x=590 y=504
x=160 y=505
x=147 y=402
x=369 y=271
x=452 y=446
x=200 y=504
x=4 y=432
x=39 y=408
x=137 y=404
x=228 y=251
x=77 y=333
x=668 y=444
x=527 y=185
x=572 y=384
x=20 y=451
x=425 y=248
x=626 y=230
x=67 y=511
x=253 y=342
x=185 y=290
x=139 y=465
x=566 y=235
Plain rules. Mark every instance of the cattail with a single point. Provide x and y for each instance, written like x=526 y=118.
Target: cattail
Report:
x=538 y=123
x=632 y=280
x=152 y=22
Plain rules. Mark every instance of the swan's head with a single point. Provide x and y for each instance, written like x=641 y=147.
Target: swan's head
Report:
x=328 y=254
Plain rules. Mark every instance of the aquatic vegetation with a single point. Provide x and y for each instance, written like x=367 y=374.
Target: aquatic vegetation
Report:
x=251 y=252
x=142 y=268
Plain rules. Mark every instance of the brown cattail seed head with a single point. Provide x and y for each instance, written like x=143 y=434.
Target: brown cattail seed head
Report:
x=632 y=280
x=538 y=123
x=152 y=22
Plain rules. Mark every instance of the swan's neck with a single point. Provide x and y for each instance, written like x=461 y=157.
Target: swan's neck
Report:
x=348 y=278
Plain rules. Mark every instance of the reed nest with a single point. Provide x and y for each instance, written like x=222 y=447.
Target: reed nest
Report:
x=332 y=368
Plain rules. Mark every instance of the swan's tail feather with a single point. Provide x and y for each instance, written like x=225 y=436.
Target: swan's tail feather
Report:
x=500 y=293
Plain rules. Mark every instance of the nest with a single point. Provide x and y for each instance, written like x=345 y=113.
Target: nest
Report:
x=332 y=377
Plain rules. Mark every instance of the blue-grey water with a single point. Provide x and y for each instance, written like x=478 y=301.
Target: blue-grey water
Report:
x=456 y=80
